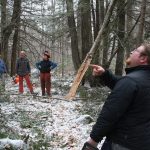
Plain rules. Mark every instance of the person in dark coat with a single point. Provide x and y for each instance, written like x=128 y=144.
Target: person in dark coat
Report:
x=23 y=71
x=45 y=66
x=125 y=117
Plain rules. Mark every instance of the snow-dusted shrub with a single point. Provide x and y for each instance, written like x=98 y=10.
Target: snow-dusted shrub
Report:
x=10 y=144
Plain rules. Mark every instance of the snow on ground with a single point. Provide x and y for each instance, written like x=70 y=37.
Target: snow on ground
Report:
x=56 y=121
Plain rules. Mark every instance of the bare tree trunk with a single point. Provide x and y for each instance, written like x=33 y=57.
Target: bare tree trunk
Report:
x=102 y=11
x=3 y=24
x=97 y=18
x=105 y=49
x=129 y=24
x=94 y=19
x=105 y=43
x=14 y=52
x=73 y=34
x=121 y=33
x=15 y=41
x=96 y=26
x=7 y=30
x=79 y=30
x=86 y=33
x=142 y=22
x=53 y=3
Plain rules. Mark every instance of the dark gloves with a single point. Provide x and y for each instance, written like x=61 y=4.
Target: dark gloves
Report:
x=88 y=146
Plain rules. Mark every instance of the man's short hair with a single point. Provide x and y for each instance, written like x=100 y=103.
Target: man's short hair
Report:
x=147 y=51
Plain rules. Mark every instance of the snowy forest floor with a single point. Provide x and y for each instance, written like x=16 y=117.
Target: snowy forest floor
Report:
x=51 y=123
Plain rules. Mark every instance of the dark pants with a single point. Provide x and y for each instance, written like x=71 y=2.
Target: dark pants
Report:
x=118 y=147
x=45 y=83
x=109 y=145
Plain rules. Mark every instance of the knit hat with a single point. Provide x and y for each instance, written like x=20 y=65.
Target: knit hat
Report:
x=47 y=54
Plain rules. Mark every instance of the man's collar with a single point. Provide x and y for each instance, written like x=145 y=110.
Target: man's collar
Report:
x=141 y=67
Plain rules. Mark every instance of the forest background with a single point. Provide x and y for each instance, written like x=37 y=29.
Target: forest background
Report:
x=68 y=28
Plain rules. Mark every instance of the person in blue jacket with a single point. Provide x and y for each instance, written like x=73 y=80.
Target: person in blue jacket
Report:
x=45 y=66
x=2 y=71
x=2 y=67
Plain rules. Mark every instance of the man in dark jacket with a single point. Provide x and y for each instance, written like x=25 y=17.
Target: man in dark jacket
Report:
x=45 y=66
x=23 y=71
x=125 y=116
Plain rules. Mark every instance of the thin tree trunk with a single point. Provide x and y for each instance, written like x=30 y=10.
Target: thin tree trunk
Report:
x=142 y=22
x=97 y=18
x=3 y=24
x=102 y=11
x=73 y=34
x=96 y=56
x=121 y=34
x=94 y=19
x=53 y=3
x=105 y=39
x=86 y=33
x=129 y=24
x=14 y=52
x=6 y=32
x=15 y=40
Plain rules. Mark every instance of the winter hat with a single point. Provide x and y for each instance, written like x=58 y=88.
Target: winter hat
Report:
x=47 y=54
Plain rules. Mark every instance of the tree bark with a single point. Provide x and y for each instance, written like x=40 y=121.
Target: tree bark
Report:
x=142 y=22
x=105 y=43
x=14 y=52
x=86 y=32
x=3 y=24
x=94 y=19
x=129 y=24
x=102 y=11
x=121 y=34
x=15 y=45
x=73 y=35
x=97 y=18
x=7 y=30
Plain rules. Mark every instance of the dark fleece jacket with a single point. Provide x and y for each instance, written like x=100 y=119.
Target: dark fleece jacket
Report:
x=23 y=67
x=125 y=116
x=45 y=66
